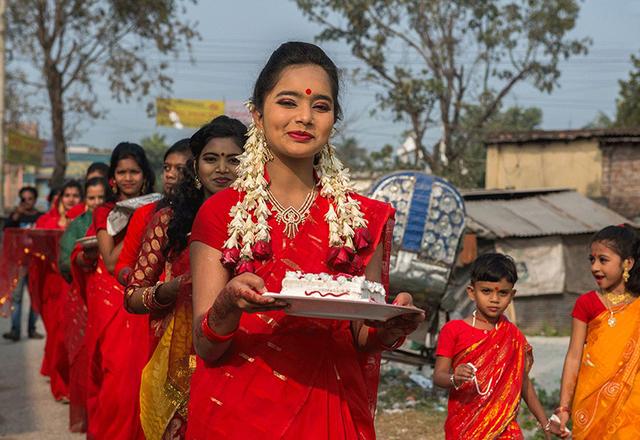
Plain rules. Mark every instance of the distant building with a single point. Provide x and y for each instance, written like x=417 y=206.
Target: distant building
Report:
x=601 y=164
x=547 y=233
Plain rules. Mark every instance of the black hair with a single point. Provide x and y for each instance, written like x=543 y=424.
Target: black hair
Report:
x=624 y=241
x=295 y=53
x=99 y=167
x=180 y=147
x=30 y=189
x=129 y=150
x=494 y=267
x=186 y=199
x=95 y=181
x=71 y=184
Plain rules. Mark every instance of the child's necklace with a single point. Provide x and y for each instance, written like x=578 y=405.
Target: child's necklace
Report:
x=475 y=317
x=617 y=298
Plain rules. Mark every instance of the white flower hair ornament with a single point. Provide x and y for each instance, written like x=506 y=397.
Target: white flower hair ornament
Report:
x=248 y=236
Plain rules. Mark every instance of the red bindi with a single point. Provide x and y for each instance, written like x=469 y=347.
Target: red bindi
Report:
x=308 y=91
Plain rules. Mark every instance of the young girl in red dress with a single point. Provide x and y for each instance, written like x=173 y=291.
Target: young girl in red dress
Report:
x=165 y=291
x=116 y=341
x=49 y=290
x=261 y=373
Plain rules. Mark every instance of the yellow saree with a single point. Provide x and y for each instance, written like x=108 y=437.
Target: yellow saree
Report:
x=606 y=403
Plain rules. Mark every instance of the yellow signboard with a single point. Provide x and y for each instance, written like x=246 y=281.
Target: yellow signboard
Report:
x=23 y=149
x=192 y=113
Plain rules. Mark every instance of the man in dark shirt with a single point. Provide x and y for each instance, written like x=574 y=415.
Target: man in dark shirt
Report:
x=24 y=216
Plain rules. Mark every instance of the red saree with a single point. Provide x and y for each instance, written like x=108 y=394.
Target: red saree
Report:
x=500 y=359
x=286 y=377
x=116 y=345
x=49 y=295
x=164 y=391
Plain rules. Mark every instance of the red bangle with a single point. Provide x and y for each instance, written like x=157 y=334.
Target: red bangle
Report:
x=375 y=343
x=561 y=409
x=210 y=334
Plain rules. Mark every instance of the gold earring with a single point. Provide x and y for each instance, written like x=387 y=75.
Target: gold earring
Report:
x=198 y=183
x=625 y=274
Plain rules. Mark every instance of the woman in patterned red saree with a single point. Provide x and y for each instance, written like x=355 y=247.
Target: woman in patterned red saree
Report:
x=161 y=281
x=261 y=373
x=116 y=341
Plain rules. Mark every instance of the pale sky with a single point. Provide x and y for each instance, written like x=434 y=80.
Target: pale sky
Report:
x=238 y=37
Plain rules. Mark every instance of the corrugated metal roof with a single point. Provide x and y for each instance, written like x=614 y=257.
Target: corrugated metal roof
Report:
x=606 y=134
x=563 y=213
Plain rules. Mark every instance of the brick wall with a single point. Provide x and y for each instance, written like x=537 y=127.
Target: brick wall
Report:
x=621 y=178
x=545 y=313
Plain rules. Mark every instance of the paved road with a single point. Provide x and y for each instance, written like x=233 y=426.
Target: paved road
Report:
x=27 y=410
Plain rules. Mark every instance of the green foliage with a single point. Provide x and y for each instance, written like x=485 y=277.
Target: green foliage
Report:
x=155 y=146
x=70 y=44
x=434 y=60
x=601 y=120
x=469 y=170
x=628 y=102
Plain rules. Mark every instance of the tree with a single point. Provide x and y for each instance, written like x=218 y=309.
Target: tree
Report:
x=601 y=120
x=628 y=102
x=70 y=44
x=355 y=157
x=155 y=147
x=434 y=59
x=469 y=170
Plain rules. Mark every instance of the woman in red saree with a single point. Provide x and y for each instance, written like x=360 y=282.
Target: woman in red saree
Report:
x=166 y=378
x=484 y=360
x=49 y=290
x=175 y=159
x=261 y=373
x=116 y=341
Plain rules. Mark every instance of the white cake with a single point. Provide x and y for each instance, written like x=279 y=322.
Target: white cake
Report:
x=323 y=285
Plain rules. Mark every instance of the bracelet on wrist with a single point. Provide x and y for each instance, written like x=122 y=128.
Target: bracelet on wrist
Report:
x=546 y=427
x=453 y=382
x=211 y=335
x=150 y=301
x=561 y=409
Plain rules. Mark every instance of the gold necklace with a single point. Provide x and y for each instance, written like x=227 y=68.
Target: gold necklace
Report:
x=291 y=217
x=616 y=298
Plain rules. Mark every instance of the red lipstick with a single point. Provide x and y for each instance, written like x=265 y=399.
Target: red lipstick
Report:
x=300 y=136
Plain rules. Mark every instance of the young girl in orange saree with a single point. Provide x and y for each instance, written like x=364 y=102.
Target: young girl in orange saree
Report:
x=601 y=377
x=116 y=341
x=164 y=291
x=262 y=373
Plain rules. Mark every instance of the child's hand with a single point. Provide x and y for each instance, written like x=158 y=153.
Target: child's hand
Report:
x=463 y=373
x=559 y=425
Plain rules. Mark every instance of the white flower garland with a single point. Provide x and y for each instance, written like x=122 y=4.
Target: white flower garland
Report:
x=249 y=216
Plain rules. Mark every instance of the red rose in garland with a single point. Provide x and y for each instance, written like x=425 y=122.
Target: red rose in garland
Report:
x=262 y=250
x=245 y=266
x=339 y=258
x=362 y=239
x=230 y=257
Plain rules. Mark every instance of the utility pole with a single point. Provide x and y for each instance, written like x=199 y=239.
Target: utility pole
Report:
x=3 y=7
